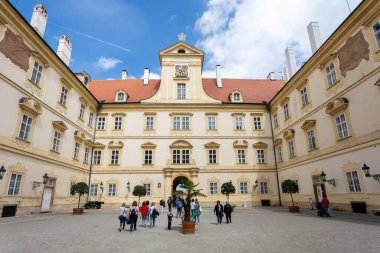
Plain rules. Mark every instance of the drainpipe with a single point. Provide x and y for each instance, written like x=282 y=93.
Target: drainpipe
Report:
x=274 y=151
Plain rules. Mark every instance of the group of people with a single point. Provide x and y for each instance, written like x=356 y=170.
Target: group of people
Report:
x=180 y=203
x=220 y=210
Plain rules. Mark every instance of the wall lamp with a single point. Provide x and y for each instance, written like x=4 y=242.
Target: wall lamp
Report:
x=2 y=172
x=129 y=186
x=159 y=185
x=329 y=181
x=101 y=186
x=44 y=181
x=367 y=174
x=255 y=185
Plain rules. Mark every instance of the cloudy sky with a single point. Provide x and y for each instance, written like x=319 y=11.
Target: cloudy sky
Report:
x=247 y=37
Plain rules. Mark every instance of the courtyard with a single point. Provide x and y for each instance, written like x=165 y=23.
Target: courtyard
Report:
x=252 y=230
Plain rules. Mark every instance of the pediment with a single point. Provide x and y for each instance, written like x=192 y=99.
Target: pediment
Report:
x=336 y=106
x=173 y=49
x=288 y=134
x=148 y=144
x=260 y=144
x=181 y=144
x=79 y=136
x=115 y=144
x=30 y=106
x=60 y=125
x=308 y=124
x=240 y=144
x=212 y=145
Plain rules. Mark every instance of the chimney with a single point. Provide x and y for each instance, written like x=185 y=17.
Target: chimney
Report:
x=285 y=73
x=271 y=76
x=291 y=61
x=39 y=19
x=314 y=36
x=218 y=76
x=124 y=74
x=146 y=76
x=64 y=49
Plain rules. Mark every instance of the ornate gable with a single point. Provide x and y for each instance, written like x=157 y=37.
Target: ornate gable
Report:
x=336 y=106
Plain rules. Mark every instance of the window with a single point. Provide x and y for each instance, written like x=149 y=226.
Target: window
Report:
x=86 y=153
x=291 y=149
x=181 y=91
x=90 y=119
x=115 y=157
x=185 y=156
x=81 y=111
x=243 y=188
x=148 y=157
x=211 y=122
x=264 y=187
x=286 y=111
x=212 y=156
x=331 y=74
x=93 y=190
x=63 y=97
x=149 y=123
x=213 y=188
x=238 y=123
x=311 y=140
x=97 y=157
x=181 y=156
x=36 y=74
x=118 y=122
x=181 y=123
x=101 y=123
x=120 y=96
x=26 y=126
x=112 y=190
x=76 y=151
x=260 y=156
x=304 y=97
x=185 y=123
x=275 y=120
x=376 y=31
x=257 y=123
x=241 y=156
x=147 y=187
x=341 y=126
x=353 y=181
x=279 y=154
x=56 y=141
x=237 y=96
x=14 y=184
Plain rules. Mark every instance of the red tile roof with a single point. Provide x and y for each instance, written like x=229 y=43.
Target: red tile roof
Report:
x=253 y=91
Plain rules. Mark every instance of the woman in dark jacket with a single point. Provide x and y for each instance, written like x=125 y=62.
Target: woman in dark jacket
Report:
x=228 y=211
x=218 y=210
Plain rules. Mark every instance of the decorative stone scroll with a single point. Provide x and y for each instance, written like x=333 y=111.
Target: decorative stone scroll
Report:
x=336 y=105
x=115 y=144
x=181 y=144
x=277 y=142
x=14 y=48
x=212 y=145
x=60 y=125
x=240 y=144
x=148 y=145
x=79 y=136
x=30 y=106
x=260 y=144
x=288 y=134
x=308 y=124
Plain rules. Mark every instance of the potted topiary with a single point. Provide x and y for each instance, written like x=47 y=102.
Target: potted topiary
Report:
x=290 y=187
x=139 y=191
x=188 y=226
x=227 y=189
x=81 y=189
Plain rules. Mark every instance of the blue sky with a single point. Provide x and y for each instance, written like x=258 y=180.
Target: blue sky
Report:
x=247 y=37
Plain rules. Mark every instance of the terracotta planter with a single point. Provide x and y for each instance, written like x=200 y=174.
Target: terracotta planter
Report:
x=294 y=209
x=77 y=211
x=188 y=227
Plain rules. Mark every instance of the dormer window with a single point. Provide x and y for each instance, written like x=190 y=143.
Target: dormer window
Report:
x=236 y=97
x=181 y=51
x=121 y=96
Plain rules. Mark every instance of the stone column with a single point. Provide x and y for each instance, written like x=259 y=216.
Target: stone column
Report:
x=168 y=173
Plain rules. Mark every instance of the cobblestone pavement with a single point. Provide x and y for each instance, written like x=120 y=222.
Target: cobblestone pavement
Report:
x=252 y=230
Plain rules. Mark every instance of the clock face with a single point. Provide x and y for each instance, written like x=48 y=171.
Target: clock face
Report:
x=181 y=70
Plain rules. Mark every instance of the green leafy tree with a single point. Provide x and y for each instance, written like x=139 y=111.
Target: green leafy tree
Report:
x=227 y=189
x=80 y=188
x=139 y=191
x=290 y=187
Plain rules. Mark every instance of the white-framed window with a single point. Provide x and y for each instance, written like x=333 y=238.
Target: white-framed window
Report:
x=120 y=96
x=181 y=156
x=86 y=154
x=115 y=157
x=304 y=96
x=238 y=123
x=257 y=123
x=181 y=91
x=264 y=187
x=181 y=123
x=93 y=189
x=291 y=149
x=56 y=141
x=243 y=188
x=14 y=184
x=353 y=181
x=376 y=31
x=97 y=157
x=36 y=73
x=149 y=123
x=63 y=97
x=311 y=140
x=260 y=156
x=147 y=187
x=341 y=126
x=76 y=151
x=331 y=74
x=81 y=111
x=25 y=128
x=286 y=111
x=90 y=119
x=279 y=154
x=118 y=122
x=211 y=122
x=213 y=188
x=212 y=156
x=112 y=190
x=241 y=156
x=101 y=123
x=148 y=156
x=236 y=96
x=275 y=120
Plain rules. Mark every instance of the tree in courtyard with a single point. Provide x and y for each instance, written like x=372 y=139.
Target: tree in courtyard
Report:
x=139 y=191
x=289 y=187
x=80 y=188
x=227 y=189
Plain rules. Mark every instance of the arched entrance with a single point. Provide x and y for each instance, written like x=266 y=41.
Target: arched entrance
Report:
x=178 y=180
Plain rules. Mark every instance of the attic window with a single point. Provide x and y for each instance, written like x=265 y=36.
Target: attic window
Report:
x=121 y=96
x=236 y=97
x=181 y=51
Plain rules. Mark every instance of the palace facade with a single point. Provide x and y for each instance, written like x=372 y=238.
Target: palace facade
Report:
x=58 y=127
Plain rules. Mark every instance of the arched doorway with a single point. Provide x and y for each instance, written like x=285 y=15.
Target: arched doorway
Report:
x=178 y=180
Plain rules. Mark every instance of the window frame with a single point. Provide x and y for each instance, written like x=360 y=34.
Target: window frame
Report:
x=38 y=74
x=264 y=187
x=112 y=190
x=344 y=133
x=101 y=123
x=260 y=157
x=148 y=187
x=285 y=108
x=241 y=156
x=181 y=91
x=16 y=187
x=97 y=157
x=27 y=125
x=115 y=157
x=94 y=190
x=353 y=187
x=56 y=144
x=243 y=188
x=331 y=74
x=213 y=188
x=291 y=147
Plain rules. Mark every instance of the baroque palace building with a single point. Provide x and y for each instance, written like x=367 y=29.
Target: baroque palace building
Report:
x=58 y=127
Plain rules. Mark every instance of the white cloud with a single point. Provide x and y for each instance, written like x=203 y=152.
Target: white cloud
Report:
x=110 y=78
x=248 y=37
x=152 y=75
x=107 y=63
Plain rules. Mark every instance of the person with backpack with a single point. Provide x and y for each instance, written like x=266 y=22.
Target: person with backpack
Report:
x=144 y=214
x=178 y=204
x=326 y=205
x=122 y=216
x=133 y=214
x=153 y=213
x=228 y=211
x=218 y=210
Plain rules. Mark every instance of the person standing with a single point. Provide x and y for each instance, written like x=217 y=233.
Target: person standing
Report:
x=148 y=216
x=218 y=210
x=162 y=204
x=170 y=217
x=144 y=214
x=170 y=204
x=122 y=216
x=178 y=205
x=326 y=205
x=152 y=215
x=174 y=200
x=133 y=214
x=228 y=211
x=192 y=212
x=197 y=211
